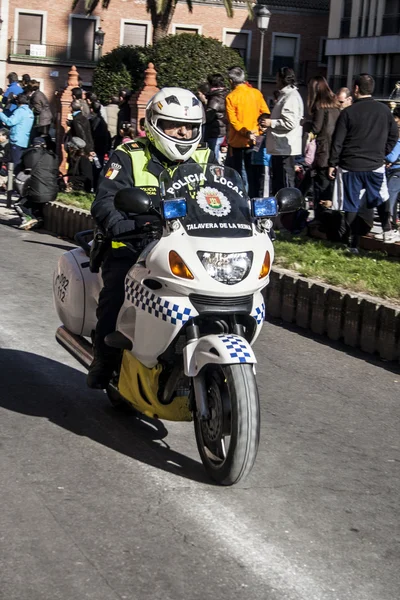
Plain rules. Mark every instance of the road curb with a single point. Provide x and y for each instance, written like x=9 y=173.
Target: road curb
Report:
x=358 y=320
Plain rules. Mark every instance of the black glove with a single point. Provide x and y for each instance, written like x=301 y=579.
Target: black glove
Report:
x=122 y=228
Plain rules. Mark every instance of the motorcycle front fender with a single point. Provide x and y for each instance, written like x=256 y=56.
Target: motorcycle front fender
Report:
x=224 y=349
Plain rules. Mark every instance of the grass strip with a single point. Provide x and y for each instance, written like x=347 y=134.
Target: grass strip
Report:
x=78 y=199
x=372 y=273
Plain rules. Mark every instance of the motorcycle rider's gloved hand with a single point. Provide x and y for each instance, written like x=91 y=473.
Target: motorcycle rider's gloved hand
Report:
x=122 y=228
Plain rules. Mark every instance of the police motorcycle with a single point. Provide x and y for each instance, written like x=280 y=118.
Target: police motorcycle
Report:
x=193 y=309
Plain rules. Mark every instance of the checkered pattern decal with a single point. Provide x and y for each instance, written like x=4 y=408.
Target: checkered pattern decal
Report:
x=259 y=313
x=154 y=305
x=237 y=349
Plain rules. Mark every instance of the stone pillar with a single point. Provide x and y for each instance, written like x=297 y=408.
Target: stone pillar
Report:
x=140 y=99
x=65 y=110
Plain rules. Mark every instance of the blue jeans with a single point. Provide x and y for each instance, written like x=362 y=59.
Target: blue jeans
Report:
x=16 y=154
x=215 y=145
x=394 y=190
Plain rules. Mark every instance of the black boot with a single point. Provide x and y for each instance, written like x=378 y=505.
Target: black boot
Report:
x=102 y=368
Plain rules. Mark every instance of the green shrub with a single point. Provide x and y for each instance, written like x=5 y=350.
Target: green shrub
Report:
x=185 y=60
x=122 y=67
x=182 y=60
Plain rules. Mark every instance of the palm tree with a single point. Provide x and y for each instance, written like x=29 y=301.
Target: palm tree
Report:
x=161 y=12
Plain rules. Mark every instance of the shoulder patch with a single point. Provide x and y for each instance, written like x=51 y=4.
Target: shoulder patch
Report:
x=202 y=146
x=132 y=146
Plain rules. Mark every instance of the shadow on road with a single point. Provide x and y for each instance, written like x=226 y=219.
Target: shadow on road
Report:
x=40 y=387
x=60 y=246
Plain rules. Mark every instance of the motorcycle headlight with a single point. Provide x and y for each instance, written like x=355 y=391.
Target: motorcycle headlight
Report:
x=227 y=268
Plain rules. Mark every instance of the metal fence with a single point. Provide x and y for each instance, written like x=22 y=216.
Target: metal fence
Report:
x=29 y=51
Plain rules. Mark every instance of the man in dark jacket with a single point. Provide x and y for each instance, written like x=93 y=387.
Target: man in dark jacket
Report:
x=171 y=127
x=216 y=113
x=80 y=126
x=41 y=109
x=365 y=133
x=41 y=187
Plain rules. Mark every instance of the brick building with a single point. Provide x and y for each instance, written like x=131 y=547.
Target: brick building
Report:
x=44 y=38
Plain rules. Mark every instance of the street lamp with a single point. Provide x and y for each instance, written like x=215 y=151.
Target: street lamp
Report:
x=99 y=39
x=263 y=17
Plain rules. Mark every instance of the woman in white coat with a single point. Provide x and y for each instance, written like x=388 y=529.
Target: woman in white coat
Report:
x=285 y=130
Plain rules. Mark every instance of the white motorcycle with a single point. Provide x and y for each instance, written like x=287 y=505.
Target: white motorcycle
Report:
x=193 y=309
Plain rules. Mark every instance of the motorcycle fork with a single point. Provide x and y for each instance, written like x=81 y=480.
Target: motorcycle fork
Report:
x=199 y=384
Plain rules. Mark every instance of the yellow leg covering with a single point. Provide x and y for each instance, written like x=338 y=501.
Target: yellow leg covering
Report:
x=143 y=396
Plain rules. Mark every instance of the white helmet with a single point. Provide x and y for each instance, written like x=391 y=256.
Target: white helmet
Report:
x=178 y=106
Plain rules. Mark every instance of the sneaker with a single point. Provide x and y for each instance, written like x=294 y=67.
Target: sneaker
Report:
x=353 y=251
x=389 y=237
x=28 y=222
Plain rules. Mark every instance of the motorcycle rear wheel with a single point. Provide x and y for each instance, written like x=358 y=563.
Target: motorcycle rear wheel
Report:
x=228 y=441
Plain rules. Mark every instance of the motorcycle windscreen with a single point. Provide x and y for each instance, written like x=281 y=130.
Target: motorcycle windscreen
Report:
x=216 y=199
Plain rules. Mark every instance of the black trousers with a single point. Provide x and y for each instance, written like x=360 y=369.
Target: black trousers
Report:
x=114 y=270
x=323 y=190
x=283 y=174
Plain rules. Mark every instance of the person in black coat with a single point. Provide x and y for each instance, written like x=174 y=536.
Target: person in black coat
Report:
x=215 y=129
x=100 y=134
x=124 y=113
x=40 y=187
x=80 y=127
x=80 y=171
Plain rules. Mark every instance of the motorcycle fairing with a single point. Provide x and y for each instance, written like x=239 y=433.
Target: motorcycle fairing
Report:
x=223 y=349
x=139 y=385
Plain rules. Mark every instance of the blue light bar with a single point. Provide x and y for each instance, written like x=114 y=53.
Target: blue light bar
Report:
x=174 y=209
x=264 y=207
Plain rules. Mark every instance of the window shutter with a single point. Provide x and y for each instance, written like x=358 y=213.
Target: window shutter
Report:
x=135 y=34
x=82 y=39
x=29 y=31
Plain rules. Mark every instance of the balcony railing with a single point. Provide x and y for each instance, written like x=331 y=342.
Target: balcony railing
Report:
x=27 y=51
x=391 y=24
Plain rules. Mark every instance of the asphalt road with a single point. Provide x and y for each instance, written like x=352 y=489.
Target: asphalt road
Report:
x=98 y=505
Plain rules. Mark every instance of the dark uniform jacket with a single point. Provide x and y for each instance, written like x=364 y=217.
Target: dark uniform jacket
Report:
x=117 y=175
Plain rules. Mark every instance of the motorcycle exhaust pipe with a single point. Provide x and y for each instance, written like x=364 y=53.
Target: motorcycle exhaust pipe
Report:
x=76 y=345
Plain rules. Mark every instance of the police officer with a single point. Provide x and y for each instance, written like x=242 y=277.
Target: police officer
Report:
x=173 y=124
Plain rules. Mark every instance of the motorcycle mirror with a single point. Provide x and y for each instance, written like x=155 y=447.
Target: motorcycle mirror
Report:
x=289 y=200
x=132 y=201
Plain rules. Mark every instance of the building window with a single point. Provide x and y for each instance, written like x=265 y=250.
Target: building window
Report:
x=285 y=51
x=322 y=57
x=29 y=30
x=239 y=40
x=135 y=33
x=391 y=18
x=81 y=38
x=193 y=29
x=346 y=19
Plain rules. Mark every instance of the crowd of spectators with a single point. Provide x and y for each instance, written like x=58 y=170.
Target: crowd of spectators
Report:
x=342 y=150
x=27 y=142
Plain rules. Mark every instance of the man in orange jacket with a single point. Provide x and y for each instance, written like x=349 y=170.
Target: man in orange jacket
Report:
x=244 y=104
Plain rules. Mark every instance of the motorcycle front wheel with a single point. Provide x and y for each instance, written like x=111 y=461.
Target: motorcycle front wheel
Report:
x=228 y=440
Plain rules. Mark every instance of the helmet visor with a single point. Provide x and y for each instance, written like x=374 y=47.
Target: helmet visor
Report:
x=179 y=130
